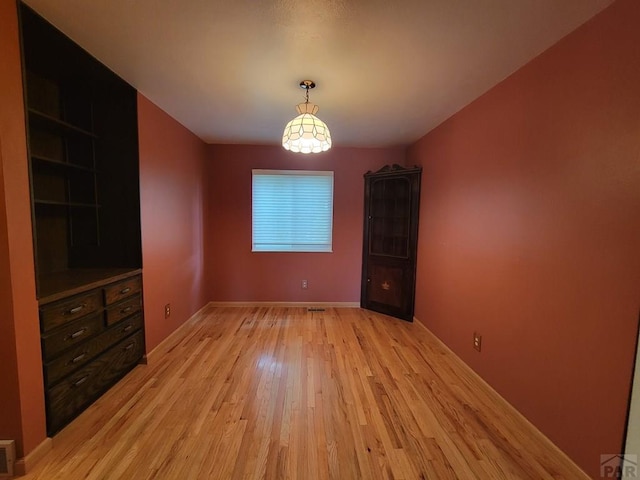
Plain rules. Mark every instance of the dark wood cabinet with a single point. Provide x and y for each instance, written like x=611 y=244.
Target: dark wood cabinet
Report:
x=82 y=132
x=89 y=341
x=392 y=200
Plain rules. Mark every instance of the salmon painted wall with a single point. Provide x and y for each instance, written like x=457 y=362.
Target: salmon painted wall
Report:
x=21 y=386
x=172 y=193
x=530 y=234
x=236 y=274
x=10 y=422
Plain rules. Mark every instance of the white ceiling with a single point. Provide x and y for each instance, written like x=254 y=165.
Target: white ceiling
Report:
x=387 y=71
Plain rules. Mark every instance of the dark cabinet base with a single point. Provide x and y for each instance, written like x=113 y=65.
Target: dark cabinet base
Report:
x=90 y=339
x=387 y=290
x=71 y=396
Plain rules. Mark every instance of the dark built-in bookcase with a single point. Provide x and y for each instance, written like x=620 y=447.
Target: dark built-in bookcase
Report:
x=83 y=156
x=82 y=133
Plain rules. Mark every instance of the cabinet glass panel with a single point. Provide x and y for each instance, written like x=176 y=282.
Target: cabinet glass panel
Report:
x=390 y=217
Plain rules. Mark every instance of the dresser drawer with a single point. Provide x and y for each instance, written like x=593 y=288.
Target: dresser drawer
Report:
x=83 y=353
x=121 y=290
x=121 y=330
x=58 y=313
x=69 y=361
x=124 y=309
x=66 y=337
x=75 y=392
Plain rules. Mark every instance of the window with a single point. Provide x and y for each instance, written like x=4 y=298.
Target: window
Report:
x=292 y=211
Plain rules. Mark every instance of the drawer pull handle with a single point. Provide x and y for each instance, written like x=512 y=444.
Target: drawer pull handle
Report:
x=75 y=310
x=125 y=290
x=78 y=358
x=126 y=309
x=129 y=347
x=81 y=381
x=77 y=334
x=127 y=328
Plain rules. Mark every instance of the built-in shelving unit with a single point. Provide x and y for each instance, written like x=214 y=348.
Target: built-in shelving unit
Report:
x=83 y=163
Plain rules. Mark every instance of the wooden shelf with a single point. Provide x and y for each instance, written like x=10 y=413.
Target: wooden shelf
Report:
x=53 y=123
x=60 y=163
x=66 y=204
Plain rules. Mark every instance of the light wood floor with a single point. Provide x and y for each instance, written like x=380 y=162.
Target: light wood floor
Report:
x=282 y=393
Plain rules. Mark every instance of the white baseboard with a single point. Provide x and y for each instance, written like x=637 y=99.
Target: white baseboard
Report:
x=287 y=304
x=145 y=358
x=507 y=404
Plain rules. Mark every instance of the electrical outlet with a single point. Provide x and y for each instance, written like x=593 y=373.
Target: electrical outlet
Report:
x=477 y=341
x=305 y=284
x=167 y=310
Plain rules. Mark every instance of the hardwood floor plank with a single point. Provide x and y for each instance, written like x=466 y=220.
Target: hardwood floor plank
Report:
x=284 y=393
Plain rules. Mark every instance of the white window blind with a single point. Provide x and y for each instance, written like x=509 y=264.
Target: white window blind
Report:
x=292 y=211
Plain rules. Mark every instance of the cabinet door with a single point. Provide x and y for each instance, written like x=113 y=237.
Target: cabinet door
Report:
x=390 y=241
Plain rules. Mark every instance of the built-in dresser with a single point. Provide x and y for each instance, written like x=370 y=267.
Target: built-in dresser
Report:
x=83 y=163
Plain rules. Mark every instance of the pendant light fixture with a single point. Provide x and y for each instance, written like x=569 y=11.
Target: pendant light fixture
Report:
x=306 y=133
